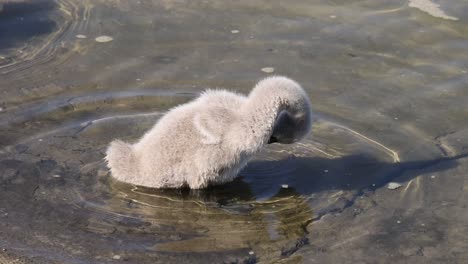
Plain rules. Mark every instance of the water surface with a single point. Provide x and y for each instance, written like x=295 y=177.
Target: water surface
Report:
x=388 y=82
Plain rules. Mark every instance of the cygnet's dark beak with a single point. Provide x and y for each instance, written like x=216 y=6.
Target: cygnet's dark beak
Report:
x=272 y=140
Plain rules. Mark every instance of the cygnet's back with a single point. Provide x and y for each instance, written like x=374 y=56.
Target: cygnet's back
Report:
x=199 y=143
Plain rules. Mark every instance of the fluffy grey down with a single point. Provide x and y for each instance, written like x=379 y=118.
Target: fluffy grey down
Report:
x=210 y=139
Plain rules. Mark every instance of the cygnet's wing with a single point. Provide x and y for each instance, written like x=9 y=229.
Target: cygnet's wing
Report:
x=212 y=123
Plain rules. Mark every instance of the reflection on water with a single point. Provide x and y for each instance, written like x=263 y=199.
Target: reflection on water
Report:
x=387 y=82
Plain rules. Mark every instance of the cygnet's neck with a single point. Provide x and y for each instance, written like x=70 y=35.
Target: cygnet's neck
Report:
x=267 y=100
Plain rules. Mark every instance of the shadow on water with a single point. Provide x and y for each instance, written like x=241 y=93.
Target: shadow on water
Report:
x=353 y=172
x=21 y=21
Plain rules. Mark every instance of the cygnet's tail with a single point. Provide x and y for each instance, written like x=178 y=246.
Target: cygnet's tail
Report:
x=121 y=160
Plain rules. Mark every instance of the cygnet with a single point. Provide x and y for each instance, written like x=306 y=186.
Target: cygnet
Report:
x=209 y=140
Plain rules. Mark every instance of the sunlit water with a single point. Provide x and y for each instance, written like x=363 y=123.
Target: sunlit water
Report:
x=389 y=87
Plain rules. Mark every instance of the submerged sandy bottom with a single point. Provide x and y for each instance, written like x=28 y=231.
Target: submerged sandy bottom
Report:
x=388 y=86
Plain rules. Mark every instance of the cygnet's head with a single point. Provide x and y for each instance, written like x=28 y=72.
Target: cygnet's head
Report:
x=290 y=128
x=294 y=122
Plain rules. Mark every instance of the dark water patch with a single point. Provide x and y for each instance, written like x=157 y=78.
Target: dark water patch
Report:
x=24 y=20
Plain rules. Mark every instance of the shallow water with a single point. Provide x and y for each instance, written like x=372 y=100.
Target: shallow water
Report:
x=389 y=88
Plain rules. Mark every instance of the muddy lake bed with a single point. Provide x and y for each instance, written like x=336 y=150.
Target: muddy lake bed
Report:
x=381 y=179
